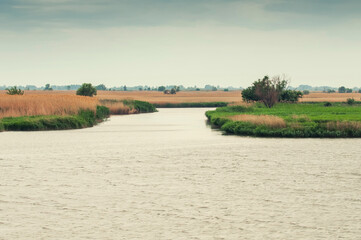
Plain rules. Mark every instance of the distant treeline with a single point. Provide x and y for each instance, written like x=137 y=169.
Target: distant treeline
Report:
x=207 y=87
x=102 y=87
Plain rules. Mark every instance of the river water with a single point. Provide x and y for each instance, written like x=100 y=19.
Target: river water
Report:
x=168 y=175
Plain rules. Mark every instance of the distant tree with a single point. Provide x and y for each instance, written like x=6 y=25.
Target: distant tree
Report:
x=166 y=91
x=349 y=90
x=161 y=89
x=214 y=89
x=226 y=89
x=342 y=89
x=306 y=92
x=140 y=89
x=359 y=91
x=86 y=90
x=331 y=91
x=198 y=89
x=177 y=88
x=14 y=91
x=101 y=87
x=47 y=87
x=68 y=88
x=173 y=91
x=125 y=88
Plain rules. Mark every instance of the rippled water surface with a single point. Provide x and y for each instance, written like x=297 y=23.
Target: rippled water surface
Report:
x=167 y=175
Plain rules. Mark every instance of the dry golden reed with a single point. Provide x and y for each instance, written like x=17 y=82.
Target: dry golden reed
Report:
x=267 y=120
x=45 y=104
x=118 y=108
x=330 y=97
x=180 y=97
x=344 y=125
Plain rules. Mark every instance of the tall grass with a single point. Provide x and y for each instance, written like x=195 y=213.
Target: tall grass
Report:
x=36 y=105
x=267 y=120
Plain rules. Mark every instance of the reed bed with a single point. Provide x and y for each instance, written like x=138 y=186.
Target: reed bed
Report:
x=118 y=108
x=160 y=98
x=266 y=120
x=44 y=104
x=330 y=97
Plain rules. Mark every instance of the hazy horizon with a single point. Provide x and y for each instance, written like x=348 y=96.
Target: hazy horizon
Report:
x=159 y=42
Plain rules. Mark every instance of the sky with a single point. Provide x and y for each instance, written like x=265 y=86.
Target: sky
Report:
x=188 y=42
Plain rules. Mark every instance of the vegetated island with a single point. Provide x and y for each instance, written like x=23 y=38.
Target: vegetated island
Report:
x=19 y=112
x=297 y=120
x=276 y=113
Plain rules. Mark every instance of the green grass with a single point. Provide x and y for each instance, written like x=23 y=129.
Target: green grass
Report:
x=85 y=118
x=191 y=105
x=140 y=106
x=311 y=120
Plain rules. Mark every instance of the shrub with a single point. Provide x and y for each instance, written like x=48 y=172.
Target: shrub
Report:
x=290 y=96
x=172 y=91
x=350 y=101
x=86 y=90
x=249 y=94
x=327 y=104
x=14 y=91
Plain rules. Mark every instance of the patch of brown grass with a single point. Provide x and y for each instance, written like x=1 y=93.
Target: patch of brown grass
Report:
x=329 y=97
x=118 y=108
x=344 y=125
x=268 y=120
x=181 y=97
x=46 y=104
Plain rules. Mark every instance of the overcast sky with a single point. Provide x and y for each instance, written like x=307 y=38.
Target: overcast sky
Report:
x=189 y=42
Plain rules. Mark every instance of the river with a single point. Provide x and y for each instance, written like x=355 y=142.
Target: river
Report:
x=168 y=175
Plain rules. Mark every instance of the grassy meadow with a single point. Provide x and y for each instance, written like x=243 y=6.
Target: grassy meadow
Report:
x=290 y=120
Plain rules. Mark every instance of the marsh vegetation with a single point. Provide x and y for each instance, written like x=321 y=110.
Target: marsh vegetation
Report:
x=290 y=120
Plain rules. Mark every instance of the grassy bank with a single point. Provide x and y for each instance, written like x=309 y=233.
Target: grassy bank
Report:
x=290 y=120
x=84 y=118
x=55 y=112
x=118 y=107
x=191 y=105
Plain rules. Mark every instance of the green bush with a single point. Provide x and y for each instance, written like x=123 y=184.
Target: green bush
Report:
x=14 y=91
x=327 y=104
x=102 y=112
x=290 y=96
x=86 y=90
x=350 y=101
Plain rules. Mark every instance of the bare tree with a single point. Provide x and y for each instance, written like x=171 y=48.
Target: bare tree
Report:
x=269 y=90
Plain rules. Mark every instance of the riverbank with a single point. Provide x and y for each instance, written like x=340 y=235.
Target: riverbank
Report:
x=85 y=118
x=61 y=112
x=302 y=120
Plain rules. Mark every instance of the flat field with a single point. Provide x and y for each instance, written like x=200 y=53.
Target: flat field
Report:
x=195 y=96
